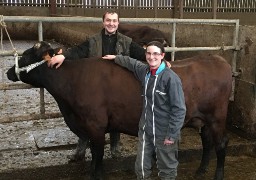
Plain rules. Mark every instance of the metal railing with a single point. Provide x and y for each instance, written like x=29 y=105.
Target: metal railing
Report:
x=40 y=20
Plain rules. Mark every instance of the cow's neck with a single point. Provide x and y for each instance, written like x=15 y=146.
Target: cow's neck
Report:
x=55 y=81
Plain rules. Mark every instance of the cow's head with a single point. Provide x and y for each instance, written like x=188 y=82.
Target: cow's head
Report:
x=30 y=59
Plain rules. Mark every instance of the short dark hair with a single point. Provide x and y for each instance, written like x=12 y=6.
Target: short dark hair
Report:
x=109 y=11
x=157 y=44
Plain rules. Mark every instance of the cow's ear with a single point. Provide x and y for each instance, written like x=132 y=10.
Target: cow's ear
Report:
x=37 y=46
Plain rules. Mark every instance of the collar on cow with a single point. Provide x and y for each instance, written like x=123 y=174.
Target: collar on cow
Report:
x=32 y=66
x=26 y=68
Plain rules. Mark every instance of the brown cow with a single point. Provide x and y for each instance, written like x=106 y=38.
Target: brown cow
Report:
x=143 y=34
x=97 y=96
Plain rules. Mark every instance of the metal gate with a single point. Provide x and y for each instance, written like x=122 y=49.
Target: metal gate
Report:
x=174 y=22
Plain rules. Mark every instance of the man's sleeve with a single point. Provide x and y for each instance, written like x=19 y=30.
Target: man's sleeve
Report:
x=78 y=52
x=137 y=67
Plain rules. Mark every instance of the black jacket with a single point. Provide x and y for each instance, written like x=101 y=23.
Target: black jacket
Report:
x=100 y=45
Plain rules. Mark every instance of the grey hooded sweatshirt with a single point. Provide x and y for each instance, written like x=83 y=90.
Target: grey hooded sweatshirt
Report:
x=164 y=103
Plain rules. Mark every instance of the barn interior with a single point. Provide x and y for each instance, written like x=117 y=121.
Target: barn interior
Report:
x=38 y=147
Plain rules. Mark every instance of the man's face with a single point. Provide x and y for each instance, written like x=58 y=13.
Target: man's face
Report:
x=154 y=56
x=111 y=23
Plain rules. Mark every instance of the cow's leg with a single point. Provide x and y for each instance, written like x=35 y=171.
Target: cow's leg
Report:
x=115 y=144
x=207 y=146
x=97 y=149
x=220 y=148
x=81 y=147
x=82 y=144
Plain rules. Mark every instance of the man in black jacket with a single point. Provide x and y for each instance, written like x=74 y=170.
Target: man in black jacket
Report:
x=108 y=41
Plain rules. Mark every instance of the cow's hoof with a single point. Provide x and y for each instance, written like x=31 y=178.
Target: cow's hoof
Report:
x=75 y=158
x=96 y=177
x=116 y=154
x=219 y=174
x=201 y=171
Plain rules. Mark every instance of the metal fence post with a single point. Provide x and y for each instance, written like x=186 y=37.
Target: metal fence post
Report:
x=42 y=103
x=181 y=9
x=175 y=8
x=136 y=8
x=214 y=9
x=173 y=40
x=155 y=9
x=234 y=59
x=94 y=7
x=53 y=8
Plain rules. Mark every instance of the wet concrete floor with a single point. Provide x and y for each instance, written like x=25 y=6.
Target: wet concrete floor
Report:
x=39 y=149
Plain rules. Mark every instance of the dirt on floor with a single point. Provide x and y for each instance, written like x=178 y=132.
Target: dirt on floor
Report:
x=45 y=156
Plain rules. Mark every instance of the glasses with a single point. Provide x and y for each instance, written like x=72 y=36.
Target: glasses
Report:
x=155 y=54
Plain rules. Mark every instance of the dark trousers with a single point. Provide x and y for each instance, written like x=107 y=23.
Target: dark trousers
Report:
x=166 y=158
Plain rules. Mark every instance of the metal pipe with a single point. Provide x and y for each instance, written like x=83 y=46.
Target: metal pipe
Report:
x=233 y=64
x=167 y=49
x=173 y=42
x=41 y=91
x=30 y=117
x=123 y=20
x=13 y=86
x=10 y=53
x=40 y=31
x=176 y=49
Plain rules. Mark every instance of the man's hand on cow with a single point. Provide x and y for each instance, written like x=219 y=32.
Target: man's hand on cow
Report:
x=58 y=59
x=109 y=57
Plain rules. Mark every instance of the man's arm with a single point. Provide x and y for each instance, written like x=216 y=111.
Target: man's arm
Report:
x=76 y=52
x=137 y=67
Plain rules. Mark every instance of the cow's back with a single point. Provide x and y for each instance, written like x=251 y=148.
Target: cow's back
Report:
x=207 y=82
